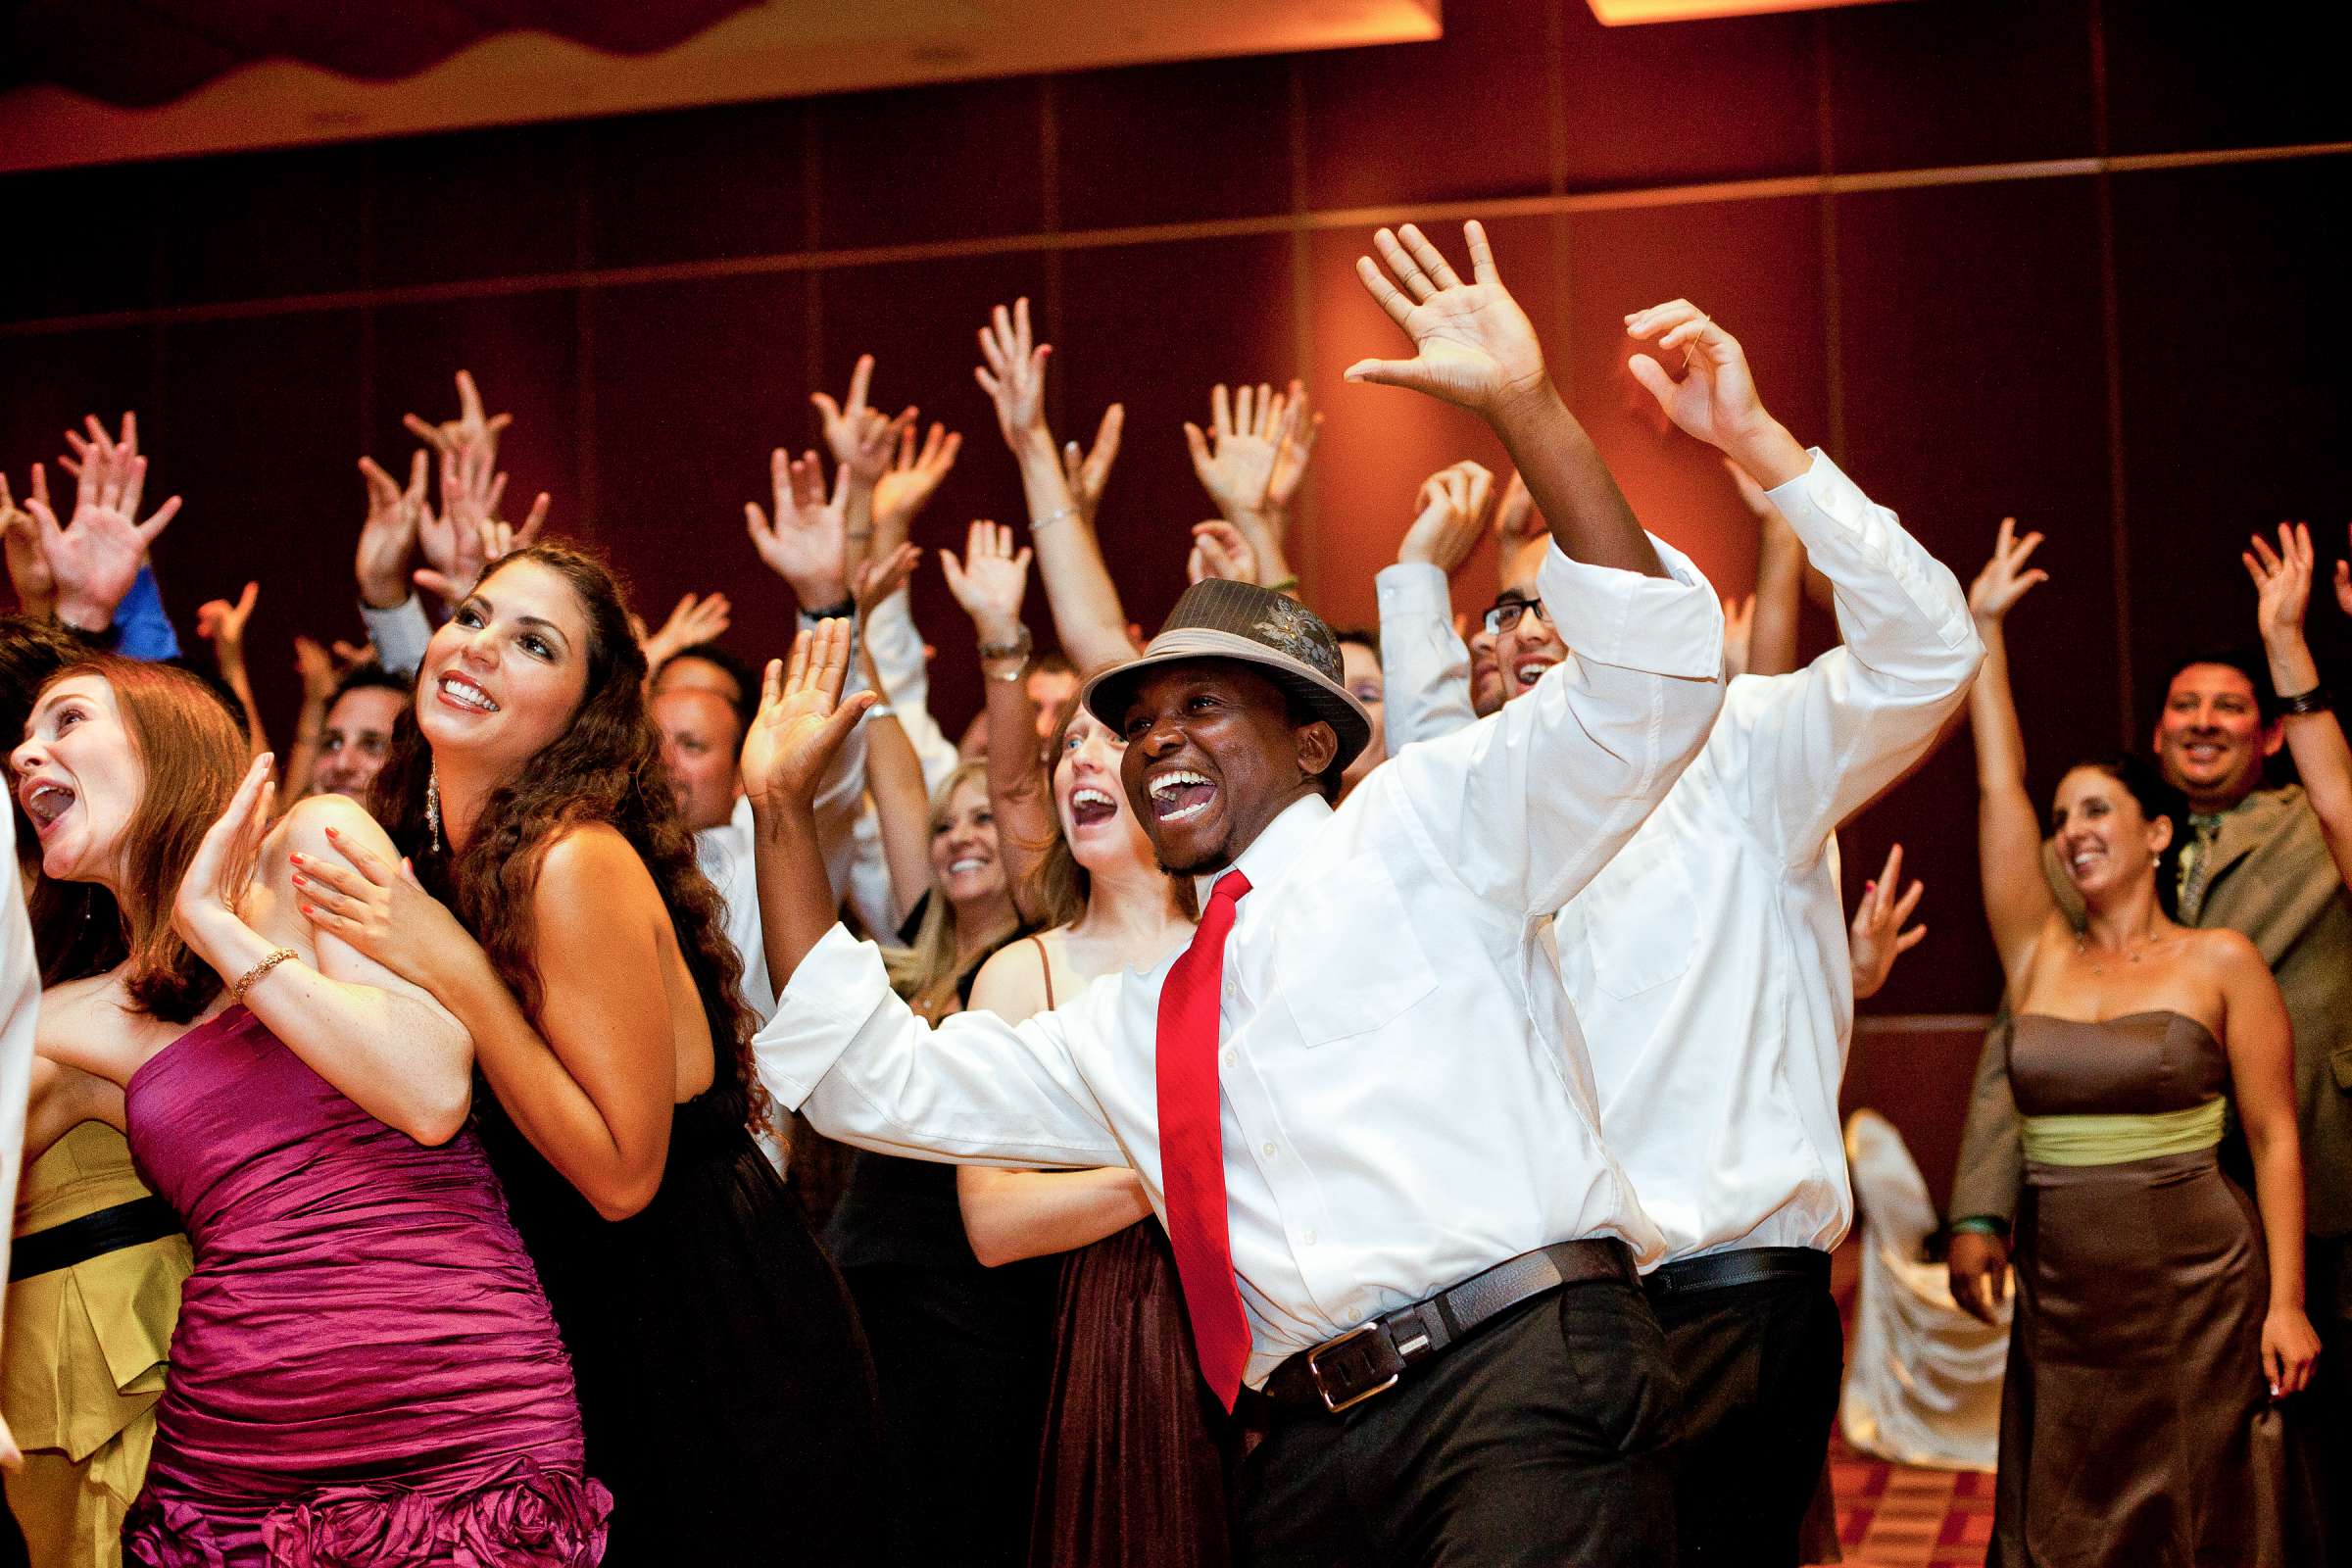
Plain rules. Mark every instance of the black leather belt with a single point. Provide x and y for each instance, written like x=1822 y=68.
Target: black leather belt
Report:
x=1745 y=1265
x=1369 y=1359
x=103 y=1231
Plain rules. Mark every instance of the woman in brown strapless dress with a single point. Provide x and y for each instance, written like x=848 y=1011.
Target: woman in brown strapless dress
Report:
x=2158 y=1313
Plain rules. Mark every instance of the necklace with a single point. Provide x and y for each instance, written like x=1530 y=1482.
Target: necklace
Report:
x=2131 y=951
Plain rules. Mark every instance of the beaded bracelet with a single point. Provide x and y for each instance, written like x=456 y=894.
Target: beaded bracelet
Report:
x=237 y=993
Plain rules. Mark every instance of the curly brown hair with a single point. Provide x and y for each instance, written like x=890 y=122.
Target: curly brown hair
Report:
x=605 y=767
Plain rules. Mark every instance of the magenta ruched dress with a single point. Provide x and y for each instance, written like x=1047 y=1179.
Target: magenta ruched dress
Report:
x=366 y=1370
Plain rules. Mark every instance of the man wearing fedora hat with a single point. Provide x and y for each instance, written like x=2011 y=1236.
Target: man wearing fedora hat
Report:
x=1358 y=1100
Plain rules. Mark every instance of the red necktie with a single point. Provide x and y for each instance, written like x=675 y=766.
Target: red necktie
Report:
x=1192 y=1144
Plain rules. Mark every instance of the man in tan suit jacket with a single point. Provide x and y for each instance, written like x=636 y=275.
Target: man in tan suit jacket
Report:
x=2258 y=863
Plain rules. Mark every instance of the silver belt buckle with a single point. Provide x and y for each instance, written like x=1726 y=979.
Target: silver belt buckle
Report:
x=1314 y=1369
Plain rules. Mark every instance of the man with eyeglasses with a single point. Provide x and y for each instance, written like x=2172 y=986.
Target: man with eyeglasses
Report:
x=1707 y=964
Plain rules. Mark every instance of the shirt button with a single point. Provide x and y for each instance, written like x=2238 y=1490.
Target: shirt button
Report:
x=1268 y=1151
x=1226 y=1055
x=1309 y=1236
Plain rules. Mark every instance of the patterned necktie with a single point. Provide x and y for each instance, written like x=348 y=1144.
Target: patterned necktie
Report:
x=1192 y=1144
x=2196 y=862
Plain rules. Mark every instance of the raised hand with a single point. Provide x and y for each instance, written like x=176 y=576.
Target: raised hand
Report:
x=1235 y=460
x=27 y=569
x=95 y=562
x=452 y=538
x=883 y=575
x=1877 y=936
x=807 y=543
x=2281 y=583
x=1452 y=515
x=2004 y=580
x=1473 y=346
x=470 y=431
x=1715 y=399
x=223 y=624
x=860 y=438
x=802 y=720
x=1220 y=550
x=1012 y=373
x=692 y=622
x=214 y=883
x=316 y=668
x=1087 y=471
x=388 y=537
x=1296 y=452
x=909 y=483
x=988 y=582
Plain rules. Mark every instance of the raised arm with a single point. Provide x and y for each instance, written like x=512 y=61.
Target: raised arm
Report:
x=801 y=724
x=990 y=582
x=95 y=560
x=2018 y=901
x=1780 y=580
x=894 y=773
x=2260 y=1043
x=223 y=624
x=2283 y=582
x=386 y=1043
x=1088 y=618
x=1475 y=348
x=1425 y=667
x=1237 y=460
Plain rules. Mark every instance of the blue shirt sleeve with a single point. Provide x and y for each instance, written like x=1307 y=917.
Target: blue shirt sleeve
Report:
x=141 y=628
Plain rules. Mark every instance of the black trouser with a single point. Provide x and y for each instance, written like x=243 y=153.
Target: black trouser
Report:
x=1544 y=1439
x=1758 y=1366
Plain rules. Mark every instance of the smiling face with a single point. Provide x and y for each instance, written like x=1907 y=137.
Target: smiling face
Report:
x=699 y=737
x=2106 y=842
x=1359 y=672
x=1214 y=754
x=506 y=675
x=964 y=865
x=1090 y=797
x=79 y=777
x=2210 y=739
x=358 y=734
x=1525 y=652
x=1486 y=673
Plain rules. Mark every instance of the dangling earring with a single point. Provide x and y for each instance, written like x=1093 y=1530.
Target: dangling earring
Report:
x=432 y=807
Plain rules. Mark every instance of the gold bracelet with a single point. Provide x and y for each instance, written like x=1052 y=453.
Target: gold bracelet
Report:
x=237 y=993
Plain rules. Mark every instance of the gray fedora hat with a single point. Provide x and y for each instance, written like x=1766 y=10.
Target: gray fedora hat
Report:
x=1285 y=641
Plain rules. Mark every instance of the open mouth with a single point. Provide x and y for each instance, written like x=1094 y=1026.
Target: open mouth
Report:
x=45 y=802
x=2086 y=859
x=966 y=865
x=1180 y=794
x=1530 y=670
x=460 y=693
x=2203 y=752
x=1089 y=805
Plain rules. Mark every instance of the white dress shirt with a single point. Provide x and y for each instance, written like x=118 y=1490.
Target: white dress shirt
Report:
x=724 y=853
x=1404 y=1098
x=1707 y=964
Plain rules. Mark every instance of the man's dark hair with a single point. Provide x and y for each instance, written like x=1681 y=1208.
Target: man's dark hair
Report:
x=2245 y=662
x=746 y=679
x=1367 y=640
x=30 y=652
x=371 y=677
x=1052 y=662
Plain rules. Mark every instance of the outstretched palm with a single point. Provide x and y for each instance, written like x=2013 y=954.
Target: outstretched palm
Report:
x=802 y=720
x=2005 y=579
x=1473 y=345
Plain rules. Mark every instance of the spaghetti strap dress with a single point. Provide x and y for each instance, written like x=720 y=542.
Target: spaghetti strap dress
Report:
x=724 y=1381
x=2135 y=1427
x=364 y=1369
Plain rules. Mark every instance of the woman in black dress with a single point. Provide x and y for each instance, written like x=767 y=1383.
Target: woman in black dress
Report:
x=720 y=1363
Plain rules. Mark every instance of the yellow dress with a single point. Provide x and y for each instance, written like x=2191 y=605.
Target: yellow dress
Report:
x=82 y=1356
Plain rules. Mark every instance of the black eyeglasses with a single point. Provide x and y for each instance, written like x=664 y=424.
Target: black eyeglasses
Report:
x=1506 y=613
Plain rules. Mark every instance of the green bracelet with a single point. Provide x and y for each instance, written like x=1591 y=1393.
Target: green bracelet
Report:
x=1285 y=586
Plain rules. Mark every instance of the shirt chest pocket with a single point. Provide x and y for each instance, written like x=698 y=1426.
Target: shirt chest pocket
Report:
x=1351 y=963
x=1637 y=918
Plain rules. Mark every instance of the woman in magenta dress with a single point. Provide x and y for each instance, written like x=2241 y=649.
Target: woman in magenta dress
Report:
x=364 y=1369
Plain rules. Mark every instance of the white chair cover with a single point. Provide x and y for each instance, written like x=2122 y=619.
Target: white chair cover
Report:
x=1923 y=1379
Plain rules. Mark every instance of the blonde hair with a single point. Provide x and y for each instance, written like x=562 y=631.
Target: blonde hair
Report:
x=927 y=973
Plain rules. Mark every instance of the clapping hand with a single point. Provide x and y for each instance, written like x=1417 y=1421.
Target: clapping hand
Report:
x=1220 y=550
x=2004 y=580
x=803 y=720
x=1473 y=346
x=807 y=543
x=215 y=882
x=692 y=622
x=1877 y=936
x=1087 y=472
x=990 y=582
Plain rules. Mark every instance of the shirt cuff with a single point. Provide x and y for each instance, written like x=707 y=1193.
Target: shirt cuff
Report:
x=399 y=634
x=1413 y=588
x=1670 y=625
x=820 y=1011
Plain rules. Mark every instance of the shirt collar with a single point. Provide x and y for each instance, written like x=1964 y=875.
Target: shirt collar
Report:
x=1278 y=844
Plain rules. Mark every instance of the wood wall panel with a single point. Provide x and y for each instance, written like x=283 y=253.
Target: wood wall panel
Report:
x=1220 y=131
x=2183 y=74
x=697 y=185
x=481 y=204
x=1908 y=89
x=254 y=225
x=86 y=241
x=1681 y=102
x=931 y=164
